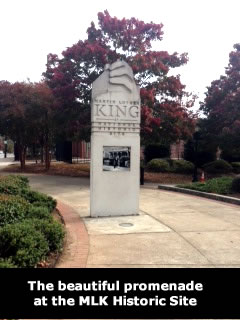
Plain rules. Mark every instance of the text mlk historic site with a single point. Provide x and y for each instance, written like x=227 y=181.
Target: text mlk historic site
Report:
x=130 y=294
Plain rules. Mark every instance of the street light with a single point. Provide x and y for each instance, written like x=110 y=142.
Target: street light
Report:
x=196 y=137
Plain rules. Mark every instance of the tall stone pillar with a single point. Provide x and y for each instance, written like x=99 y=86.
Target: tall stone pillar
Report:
x=115 y=142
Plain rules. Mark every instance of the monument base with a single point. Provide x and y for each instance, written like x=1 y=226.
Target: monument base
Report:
x=114 y=187
x=115 y=142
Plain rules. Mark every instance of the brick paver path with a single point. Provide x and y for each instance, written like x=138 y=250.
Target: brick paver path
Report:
x=76 y=244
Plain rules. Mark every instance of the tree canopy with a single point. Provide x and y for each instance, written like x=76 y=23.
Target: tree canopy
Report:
x=165 y=104
x=222 y=105
x=27 y=115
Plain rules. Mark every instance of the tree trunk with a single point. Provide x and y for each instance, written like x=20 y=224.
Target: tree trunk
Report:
x=47 y=158
x=35 y=153
x=16 y=152
x=42 y=154
x=22 y=154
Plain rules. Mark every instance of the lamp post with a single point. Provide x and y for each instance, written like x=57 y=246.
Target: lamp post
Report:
x=196 y=137
x=5 y=148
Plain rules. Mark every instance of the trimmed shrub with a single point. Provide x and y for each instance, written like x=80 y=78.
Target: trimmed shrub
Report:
x=19 y=181
x=52 y=230
x=12 y=209
x=236 y=167
x=18 y=185
x=231 y=155
x=13 y=184
x=236 y=184
x=182 y=166
x=6 y=263
x=204 y=157
x=156 y=151
x=218 y=166
x=39 y=213
x=23 y=244
x=221 y=185
x=39 y=199
x=158 y=165
x=198 y=186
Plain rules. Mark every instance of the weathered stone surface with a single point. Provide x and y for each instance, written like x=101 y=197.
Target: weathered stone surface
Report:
x=115 y=117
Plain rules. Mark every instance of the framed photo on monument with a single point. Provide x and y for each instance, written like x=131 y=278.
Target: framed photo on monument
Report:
x=116 y=158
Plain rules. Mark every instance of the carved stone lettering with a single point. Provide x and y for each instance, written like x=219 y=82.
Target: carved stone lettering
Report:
x=115 y=117
x=100 y=111
x=116 y=111
x=121 y=110
x=133 y=113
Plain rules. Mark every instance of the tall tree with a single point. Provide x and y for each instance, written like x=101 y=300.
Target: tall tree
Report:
x=165 y=104
x=222 y=105
x=42 y=112
x=27 y=116
x=14 y=100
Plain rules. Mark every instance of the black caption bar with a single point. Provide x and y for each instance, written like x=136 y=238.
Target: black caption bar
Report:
x=119 y=293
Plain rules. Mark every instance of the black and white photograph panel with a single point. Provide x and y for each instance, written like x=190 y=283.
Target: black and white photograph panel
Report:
x=116 y=158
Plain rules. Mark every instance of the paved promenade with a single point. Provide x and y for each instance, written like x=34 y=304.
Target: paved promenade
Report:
x=172 y=230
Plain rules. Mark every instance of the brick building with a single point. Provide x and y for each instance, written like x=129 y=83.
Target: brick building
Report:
x=177 y=150
x=81 y=151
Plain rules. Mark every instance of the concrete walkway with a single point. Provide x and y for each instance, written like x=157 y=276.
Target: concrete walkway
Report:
x=4 y=162
x=172 y=230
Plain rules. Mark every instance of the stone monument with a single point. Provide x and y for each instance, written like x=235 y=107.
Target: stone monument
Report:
x=115 y=142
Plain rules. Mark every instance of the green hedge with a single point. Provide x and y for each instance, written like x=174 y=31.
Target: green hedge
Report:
x=7 y=263
x=169 y=165
x=19 y=181
x=12 y=209
x=231 y=154
x=236 y=167
x=28 y=242
x=158 y=165
x=23 y=244
x=182 y=166
x=15 y=209
x=221 y=185
x=52 y=231
x=236 y=184
x=18 y=185
x=38 y=199
x=217 y=167
x=13 y=184
x=28 y=231
x=39 y=213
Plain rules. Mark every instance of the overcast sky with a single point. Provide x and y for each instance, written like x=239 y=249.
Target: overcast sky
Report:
x=206 y=29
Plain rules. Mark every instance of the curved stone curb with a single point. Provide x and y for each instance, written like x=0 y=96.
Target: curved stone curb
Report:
x=211 y=196
x=76 y=248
